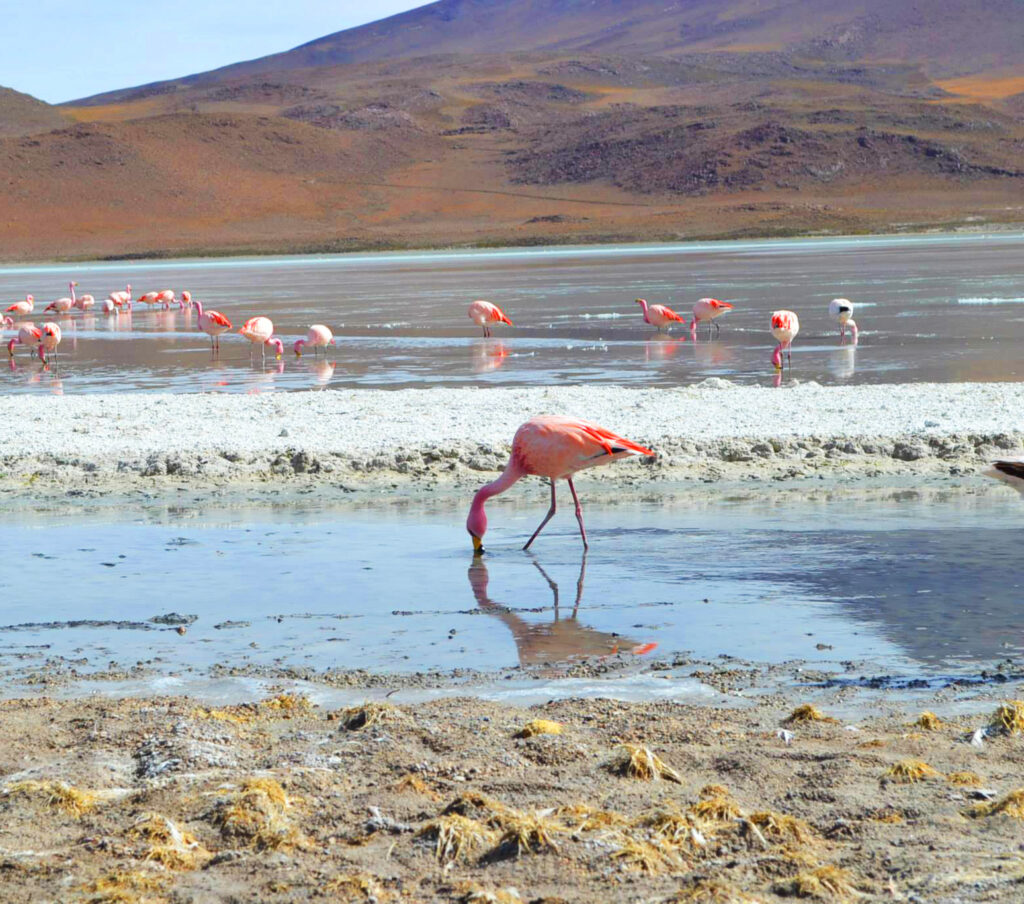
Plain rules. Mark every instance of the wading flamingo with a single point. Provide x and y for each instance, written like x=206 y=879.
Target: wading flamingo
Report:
x=82 y=302
x=150 y=298
x=166 y=298
x=657 y=315
x=21 y=308
x=28 y=334
x=6 y=323
x=186 y=299
x=108 y=306
x=706 y=310
x=785 y=326
x=48 y=341
x=213 y=323
x=483 y=313
x=63 y=305
x=556 y=448
x=260 y=331
x=1010 y=472
x=317 y=336
x=841 y=309
x=121 y=298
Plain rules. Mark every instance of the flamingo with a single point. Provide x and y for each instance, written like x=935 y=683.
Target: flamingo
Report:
x=108 y=306
x=657 y=315
x=213 y=323
x=785 y=326
x=29 y=334
x=7 y=323
x=186 y=299
x=150 y=298
x=21 y=308
x=260 y=331
x=707 y=309
x=554 y=447
x=49 y=340
x=317 y=336
x=121 y=298
x=63 y=305
x=1010 y=471
x=841 y=309
x=483 y=313
x=82 y=302
x=166 y=298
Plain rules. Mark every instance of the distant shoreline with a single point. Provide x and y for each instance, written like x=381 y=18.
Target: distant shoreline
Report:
x=418 y=442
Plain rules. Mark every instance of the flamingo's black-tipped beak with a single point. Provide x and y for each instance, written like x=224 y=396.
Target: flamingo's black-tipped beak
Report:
x=478 y=545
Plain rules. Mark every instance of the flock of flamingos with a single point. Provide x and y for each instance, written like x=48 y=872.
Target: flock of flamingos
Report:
x=549 y=446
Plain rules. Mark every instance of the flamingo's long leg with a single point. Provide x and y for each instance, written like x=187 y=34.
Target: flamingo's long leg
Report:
x=579 y=512
x=551 y=584
x=547 y=517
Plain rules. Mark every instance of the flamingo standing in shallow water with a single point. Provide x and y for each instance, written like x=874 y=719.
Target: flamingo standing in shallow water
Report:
x=260 y=331
x=150 y=298
x=841 y=309
x=657 y=315
x=29 y=334
x=22 y=308
x=213 y=323
x=706 y=310
x=556 y=448
x=317 y=336
x=48 y=341
x=82 y=302
x=785 y=326
x=122 y=297
x=483 y=313
x=63 y=305
x=166 y=298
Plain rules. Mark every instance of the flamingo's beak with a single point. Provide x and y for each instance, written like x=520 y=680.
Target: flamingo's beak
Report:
x=478 y=545
x=279 y=357
x=298 y=354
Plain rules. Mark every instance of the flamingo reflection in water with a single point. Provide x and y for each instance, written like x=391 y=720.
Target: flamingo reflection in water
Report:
x=488 y=355
x=661 y=346
x=560 y=640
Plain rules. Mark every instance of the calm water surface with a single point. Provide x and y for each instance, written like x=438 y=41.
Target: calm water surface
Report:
x=916 y=586
x=943 y=308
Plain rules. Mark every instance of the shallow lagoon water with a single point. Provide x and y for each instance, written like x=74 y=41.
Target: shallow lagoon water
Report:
x=941 y=308
x=915 y=585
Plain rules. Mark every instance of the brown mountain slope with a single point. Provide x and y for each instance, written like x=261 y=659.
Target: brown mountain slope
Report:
x=947 y=37
x=22 y=114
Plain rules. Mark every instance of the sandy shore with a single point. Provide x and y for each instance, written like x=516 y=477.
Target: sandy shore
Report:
x=167 y=800
x=432 y=438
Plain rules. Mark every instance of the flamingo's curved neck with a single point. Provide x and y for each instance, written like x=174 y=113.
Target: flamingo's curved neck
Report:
x=299 y=346
x=643 y=305
x=73 y=296
x=198 y=307
x=777 y=356
x=513 y=472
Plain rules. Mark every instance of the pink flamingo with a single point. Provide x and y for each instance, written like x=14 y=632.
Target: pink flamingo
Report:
x=108 y=306
x=63 y=305
x=260 y=331
x=29 y=334
x=82 y=302
x=707 y=309
x=213 y=323
x=7 y=323
x=149 y=298
x=317 y=336
x=841 y=309
x=186 y=300
x=785 y=326
x=21 y=308
x=166 y=298
x=121 y=298
x=49 y=340
x=483 y=313
x=658 y=315
x=556 y=448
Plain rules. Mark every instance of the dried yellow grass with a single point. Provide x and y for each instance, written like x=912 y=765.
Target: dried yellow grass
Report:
x=782 y=828
x=826 y=883
x=476 y=804
x=648 y=857
x=355 y=718
x=716 y=809
x=59 y=795
x=529 y=832
x=1009 y=718
x=709 y=891
x=910 y=771
x=929 y=721
x=169 y=845
x=673 y=826
x=714 y=791
x=964 y=779
x=126 y=887
x=412 y=782
x=636 y=761
x=458 y=837
x=352 y=887
x=474 y=894
x=1011 y=805
x=868 y=745
x=540 y=727
x=258 y=812
x=584 y=818
x=288 y=704
x=886 y=815
x=808 y=712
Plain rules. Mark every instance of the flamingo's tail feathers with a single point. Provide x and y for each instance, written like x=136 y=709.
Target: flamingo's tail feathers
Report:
x=614 y=444
x=504 y=319
x=678 y=317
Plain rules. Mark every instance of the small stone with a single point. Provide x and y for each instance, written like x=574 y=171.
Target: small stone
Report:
x=284 y=432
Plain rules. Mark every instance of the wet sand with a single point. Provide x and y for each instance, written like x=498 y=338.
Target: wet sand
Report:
x=279 y=800
x=420 y=441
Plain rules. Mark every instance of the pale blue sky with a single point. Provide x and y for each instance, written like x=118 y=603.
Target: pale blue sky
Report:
x=60 y=50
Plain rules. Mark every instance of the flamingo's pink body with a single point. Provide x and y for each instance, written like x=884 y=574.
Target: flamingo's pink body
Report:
x=658 y=315
x=556 y=448
x=85 y=302
x=785 y=326
x=108 y=306
x=49 y=340
x=706 y=310
x=122 y=298
x=317 y=336
x=186 y=299
x=260 y=331
x=484 y=313
x=28 y=334
x=213 y=323
x=22 y=308
x=166 y=298
x=63 y=305
x=149 y=298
